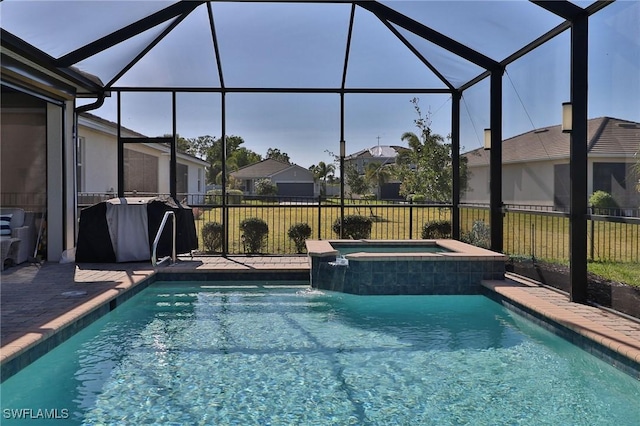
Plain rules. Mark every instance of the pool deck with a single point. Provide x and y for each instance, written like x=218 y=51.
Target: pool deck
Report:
x=36 y=302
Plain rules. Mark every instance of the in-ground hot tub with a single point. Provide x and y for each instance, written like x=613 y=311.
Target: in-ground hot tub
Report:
x=402 y=267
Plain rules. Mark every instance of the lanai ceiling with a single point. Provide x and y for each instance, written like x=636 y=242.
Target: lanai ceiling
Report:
x=323 y=45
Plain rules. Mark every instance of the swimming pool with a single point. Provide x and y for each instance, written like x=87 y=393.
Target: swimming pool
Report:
x=215 y=353
x=350 y=247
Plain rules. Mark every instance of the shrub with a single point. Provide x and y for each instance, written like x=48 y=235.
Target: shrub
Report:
x=212 y=236
x=234 y=196
x=254 y=230
x=436 y=229
x=369 y=197
x=417 y=198
x=479 y=236
x=266 y=187
x=602 y=202
x=355 y=226
x=299 y=232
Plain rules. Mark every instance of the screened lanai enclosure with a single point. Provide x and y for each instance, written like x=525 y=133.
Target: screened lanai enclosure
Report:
x=538 y=101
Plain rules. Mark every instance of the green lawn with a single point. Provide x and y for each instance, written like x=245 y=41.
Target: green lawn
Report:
x=628 y=273
x=612 y=247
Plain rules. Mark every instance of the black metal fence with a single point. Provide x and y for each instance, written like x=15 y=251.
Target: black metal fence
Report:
x=544 y=234
x=529 y=231
x=394 y=220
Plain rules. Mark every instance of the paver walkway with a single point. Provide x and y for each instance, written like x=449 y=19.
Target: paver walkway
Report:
x=619 y=333
x=36 y=302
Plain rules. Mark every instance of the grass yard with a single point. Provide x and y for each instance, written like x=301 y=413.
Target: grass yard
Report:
x=613 y=248
x=628 y=273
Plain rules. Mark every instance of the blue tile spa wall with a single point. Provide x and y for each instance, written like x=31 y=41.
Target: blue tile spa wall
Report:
x=397 y=276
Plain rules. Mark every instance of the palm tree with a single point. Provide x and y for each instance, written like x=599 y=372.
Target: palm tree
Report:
x=322 y=171
x=377 y=174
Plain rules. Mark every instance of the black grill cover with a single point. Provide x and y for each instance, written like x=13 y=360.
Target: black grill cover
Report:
x=94 y=239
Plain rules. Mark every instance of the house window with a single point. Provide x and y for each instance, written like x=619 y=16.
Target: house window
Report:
x=199 y=180
x=182 y=179
x=23 y=151
x=80 y=148
x=605 y=174
x=561 y=190
x=140 y=172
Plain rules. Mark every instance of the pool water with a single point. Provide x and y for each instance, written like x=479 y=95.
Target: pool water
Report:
x=204 y=353
x=349 y=248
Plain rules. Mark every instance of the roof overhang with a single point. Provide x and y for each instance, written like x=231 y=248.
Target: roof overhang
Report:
x=25 y=65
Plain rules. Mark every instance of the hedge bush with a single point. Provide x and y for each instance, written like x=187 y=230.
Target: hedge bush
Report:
x=234 y=196
x=417 y=198
x=254 y=230
x=212 y=236
x=355 y=227
x=479 y=236
x=299 y=232
x=436 y=229
x=602 y=202
x=266 y=187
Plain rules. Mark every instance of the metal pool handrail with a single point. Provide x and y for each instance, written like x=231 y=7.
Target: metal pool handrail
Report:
x=154 y=260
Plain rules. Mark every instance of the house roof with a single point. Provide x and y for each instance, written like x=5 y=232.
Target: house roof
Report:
x=606 y=136
x=265 y=169
x=377 y=151
x=108 y=126
x=100 y=124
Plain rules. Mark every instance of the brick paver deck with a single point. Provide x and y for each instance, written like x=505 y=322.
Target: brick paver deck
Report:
x=36 y=303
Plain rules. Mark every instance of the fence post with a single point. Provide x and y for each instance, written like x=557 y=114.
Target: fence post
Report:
x=319 y=217
x=410 y=219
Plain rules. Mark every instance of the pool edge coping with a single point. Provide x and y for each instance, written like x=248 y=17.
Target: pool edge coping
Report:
x=586 y=334
x=34 y=344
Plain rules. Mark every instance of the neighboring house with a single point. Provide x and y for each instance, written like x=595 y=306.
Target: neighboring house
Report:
x=382 y=155
x=535 y=166
x=146 y=165
x=291 y=179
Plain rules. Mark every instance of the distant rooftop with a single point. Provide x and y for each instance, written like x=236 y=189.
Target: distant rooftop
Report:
x=605 y=136
x=378 y=151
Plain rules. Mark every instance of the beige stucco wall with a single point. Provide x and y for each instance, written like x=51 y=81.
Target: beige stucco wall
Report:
x=522 y=183
x=101 y=162
x=533 y=183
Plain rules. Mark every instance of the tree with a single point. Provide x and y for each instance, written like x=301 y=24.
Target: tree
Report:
x=425 y=168
x=210 y=149
x=266 y=187
x=200 y=146
x=357 y=182
x=182 y=144
x=376 y=175
x=276 y=154
x=323 y=172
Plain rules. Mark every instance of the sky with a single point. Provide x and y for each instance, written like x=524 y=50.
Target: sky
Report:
x=294 y=45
